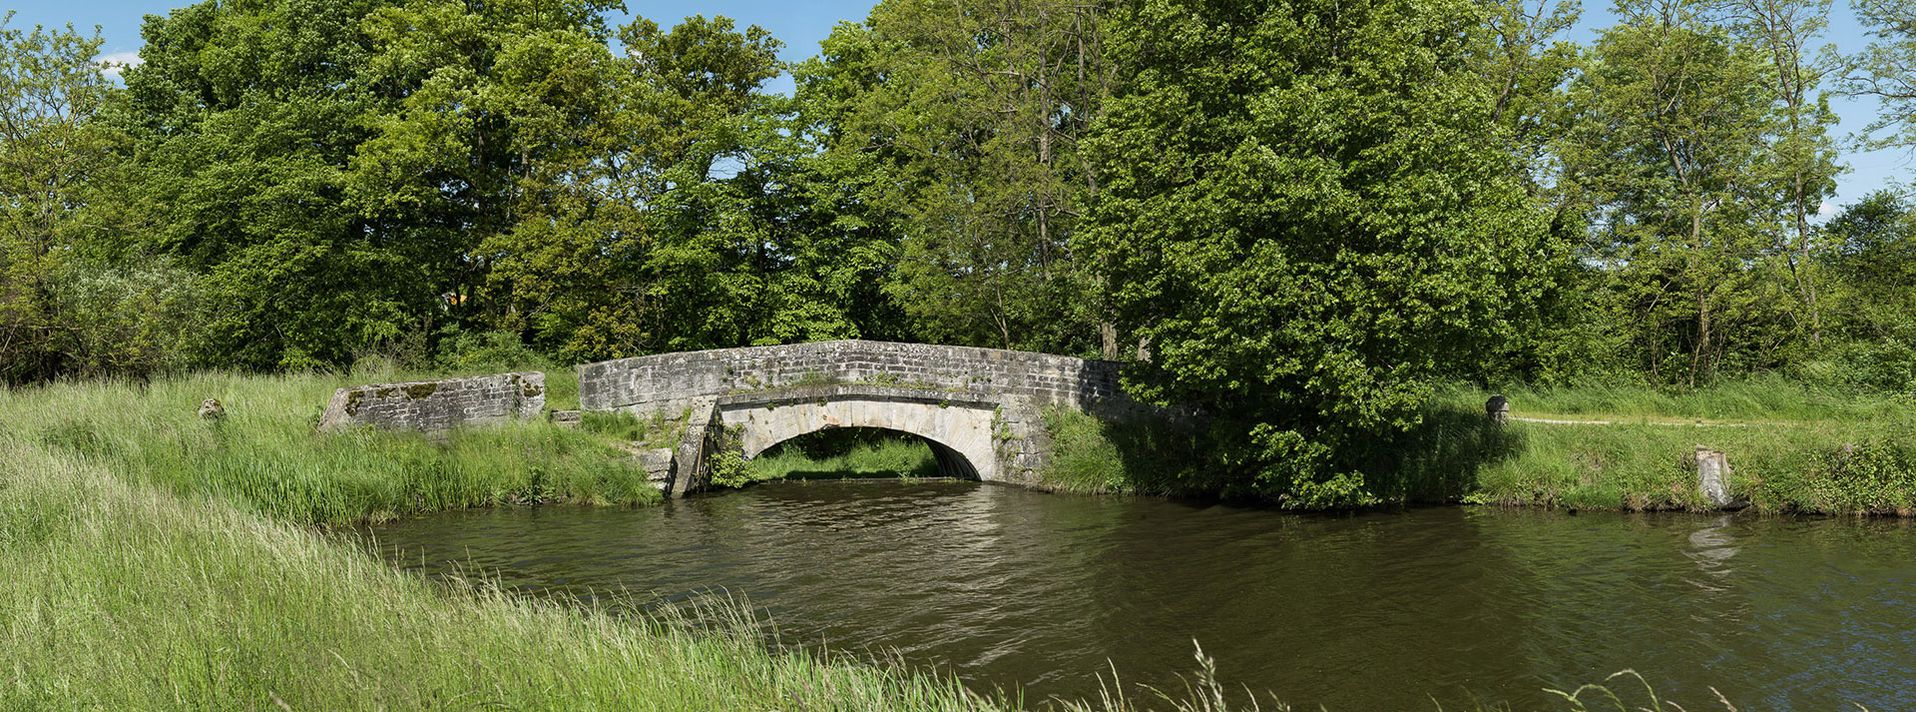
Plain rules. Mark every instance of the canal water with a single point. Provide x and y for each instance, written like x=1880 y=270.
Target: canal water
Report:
x=1013 y=589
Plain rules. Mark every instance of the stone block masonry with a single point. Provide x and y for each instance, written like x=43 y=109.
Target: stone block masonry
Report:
x=670 y=383
x=438 y=406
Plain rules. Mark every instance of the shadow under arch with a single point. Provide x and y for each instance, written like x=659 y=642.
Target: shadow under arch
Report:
x=950 y=462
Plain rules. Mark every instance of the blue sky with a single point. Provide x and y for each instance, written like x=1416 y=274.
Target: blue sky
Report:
x=802 y=23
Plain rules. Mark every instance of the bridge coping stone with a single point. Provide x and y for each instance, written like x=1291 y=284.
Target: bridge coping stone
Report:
x=668 y=381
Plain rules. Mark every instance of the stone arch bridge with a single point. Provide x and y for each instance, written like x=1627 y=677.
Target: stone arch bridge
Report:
x=981 y=410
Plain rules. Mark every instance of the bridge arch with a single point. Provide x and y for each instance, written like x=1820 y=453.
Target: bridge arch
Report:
x=959 y=432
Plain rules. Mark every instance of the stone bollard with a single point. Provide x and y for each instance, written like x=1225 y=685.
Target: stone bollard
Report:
x=1498 y=410
x=212 y=410
x=1713 y=478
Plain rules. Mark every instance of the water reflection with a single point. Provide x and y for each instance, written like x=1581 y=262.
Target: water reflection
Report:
x=1011 y=588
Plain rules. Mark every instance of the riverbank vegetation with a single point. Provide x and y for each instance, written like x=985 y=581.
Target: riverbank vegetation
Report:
x=127 y=596
x=1792 y=449
x=266 y=455
x=1301 y=241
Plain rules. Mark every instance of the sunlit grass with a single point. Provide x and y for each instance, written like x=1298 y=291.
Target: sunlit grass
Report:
x=1765 y=398
x=1791 y=448
x=267 y=454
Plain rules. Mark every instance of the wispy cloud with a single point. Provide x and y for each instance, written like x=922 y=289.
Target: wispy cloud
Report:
x=117 y=62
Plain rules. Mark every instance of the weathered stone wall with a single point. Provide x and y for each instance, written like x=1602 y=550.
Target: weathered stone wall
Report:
x=984 y=405
x=436 y=406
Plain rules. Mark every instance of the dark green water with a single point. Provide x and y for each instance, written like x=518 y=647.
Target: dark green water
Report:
x=1010 y=588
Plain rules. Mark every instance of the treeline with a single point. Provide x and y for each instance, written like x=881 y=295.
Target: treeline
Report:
x=1296 y=216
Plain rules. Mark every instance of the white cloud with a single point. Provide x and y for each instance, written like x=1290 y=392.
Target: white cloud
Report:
x=117 y=62
x=1826 y=209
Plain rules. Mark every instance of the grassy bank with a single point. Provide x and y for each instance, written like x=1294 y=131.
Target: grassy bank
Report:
x=123 y=596
x=267 y=456
x=1791 y=449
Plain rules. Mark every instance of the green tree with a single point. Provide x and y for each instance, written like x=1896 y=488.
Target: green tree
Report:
x=1301 y=212
x=1667 y=148
x=683 y=219
x=247 y=117
x=1801 y=155
x=486 y=114
x=1886 y=70
x=1527 y=63
x=56 y=160
x=1873 y=291
x=957 y=127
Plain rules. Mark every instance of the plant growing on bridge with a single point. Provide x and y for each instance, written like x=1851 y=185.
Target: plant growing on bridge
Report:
x=727 y=458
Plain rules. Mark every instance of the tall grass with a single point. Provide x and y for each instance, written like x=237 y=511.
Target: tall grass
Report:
x=268 y=456
x=1791 y=448
x=1093 y=455
x=1769 y=397
x=127 y=597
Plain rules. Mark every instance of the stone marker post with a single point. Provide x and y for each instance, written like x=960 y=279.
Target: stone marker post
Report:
x=1498 y=410
x=1712 y=475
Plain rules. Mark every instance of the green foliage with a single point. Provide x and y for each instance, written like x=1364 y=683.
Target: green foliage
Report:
x=135 y=320
x=958 y=130
x=727 y=461
x=1876 y=475
x=1097 y=455
x=1886 y=70
x=245 y=118
x=657 y=431
x=1308 y=228
x=1299 y=217
x=489 y=352
x=58 y=175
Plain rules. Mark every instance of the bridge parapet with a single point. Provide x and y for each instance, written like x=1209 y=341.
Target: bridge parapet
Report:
x=667 y=381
